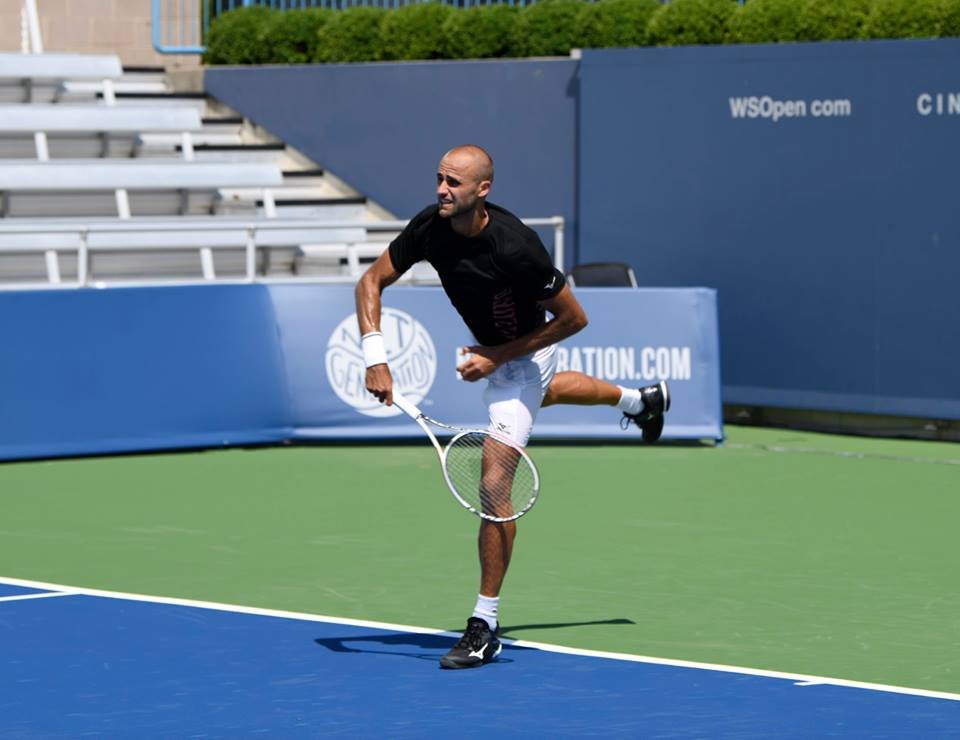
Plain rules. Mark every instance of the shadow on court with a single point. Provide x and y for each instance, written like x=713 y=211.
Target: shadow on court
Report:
x=431 y=647
x=400 y=644
x=508 y=631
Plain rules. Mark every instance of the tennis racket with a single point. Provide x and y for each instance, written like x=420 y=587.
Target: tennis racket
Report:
x=487 y=473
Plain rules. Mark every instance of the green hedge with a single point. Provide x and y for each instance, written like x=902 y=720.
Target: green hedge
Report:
x=294 y=36
x=480 y=32
x=609 y=23
x=414 y=32
x=892 y=19
x=683 y=22
x=237 y=38
x=546 y=28
x=765 y=21
x=833 y=20
x=351 y=35
x=260 y=35
x=950 y=20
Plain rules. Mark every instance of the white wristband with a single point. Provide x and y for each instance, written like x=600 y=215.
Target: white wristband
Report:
x=374 y=351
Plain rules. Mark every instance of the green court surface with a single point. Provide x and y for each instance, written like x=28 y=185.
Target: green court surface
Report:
x=788 y=551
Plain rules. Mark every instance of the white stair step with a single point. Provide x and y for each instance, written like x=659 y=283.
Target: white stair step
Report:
x=199 y=138
x=90 y=87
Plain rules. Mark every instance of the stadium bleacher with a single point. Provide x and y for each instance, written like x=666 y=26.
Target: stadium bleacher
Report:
x=106 y=175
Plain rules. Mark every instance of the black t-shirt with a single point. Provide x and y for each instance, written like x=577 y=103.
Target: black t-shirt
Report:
x=495 y=279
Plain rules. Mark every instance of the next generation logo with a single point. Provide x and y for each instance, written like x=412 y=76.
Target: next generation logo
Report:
x=410 y=352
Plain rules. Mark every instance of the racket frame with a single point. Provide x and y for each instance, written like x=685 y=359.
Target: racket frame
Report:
x=424 y=421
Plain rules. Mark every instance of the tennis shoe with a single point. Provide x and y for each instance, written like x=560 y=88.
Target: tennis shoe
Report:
x=479 y=645
x=656 y=403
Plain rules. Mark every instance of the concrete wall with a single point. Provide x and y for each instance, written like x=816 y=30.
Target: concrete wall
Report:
x=121 y=27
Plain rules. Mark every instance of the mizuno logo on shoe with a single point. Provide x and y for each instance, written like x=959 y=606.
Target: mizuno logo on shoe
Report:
x=479 y=653
x=549 y=285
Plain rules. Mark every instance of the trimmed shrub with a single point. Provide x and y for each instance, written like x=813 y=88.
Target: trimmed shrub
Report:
x=546 y=28
x=236 y=37
x=608 y=23
x=479 y=32
x=831 y=20
x=891 y=19
x=292 y=37
x=950 y=18
x=351 y=35
x=765 y=21
x=414 y=32
x=262 y=35
x=691 y=22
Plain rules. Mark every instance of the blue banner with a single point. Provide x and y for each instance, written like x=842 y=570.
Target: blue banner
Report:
x=101 y=371
x=635 y=338
x=120 y=370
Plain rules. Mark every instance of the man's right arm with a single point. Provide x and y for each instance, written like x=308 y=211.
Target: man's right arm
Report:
x=371 y=285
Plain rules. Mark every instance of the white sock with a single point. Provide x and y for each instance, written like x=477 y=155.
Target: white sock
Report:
x=486 y=609
x=630 y=401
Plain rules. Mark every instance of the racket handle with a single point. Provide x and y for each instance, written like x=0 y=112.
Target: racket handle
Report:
x=401 y=402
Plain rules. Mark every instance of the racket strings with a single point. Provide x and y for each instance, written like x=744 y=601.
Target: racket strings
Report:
x=491 y=476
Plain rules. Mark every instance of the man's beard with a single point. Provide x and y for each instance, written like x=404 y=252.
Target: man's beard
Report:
x=458 y=210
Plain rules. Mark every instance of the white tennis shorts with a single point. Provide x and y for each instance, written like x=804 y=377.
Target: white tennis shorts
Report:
x=515 y=391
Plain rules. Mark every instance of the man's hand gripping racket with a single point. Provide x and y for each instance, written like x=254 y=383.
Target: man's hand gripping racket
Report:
x=487 y=473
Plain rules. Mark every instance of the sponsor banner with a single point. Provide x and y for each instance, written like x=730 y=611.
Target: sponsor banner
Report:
x=635 y=338
x=201 y=366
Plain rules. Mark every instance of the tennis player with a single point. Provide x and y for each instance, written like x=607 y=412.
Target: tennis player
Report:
x=499 y=277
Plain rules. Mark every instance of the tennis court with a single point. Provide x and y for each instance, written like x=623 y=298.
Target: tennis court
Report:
x=309 y=590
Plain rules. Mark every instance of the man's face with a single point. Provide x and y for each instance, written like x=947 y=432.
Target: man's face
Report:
x=459 y=185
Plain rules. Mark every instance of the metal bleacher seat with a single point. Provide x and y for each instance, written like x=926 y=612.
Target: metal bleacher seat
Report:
x=39 y=77
x=82 y=187
x=602 y=274
x=88 y=88
x=88 y=130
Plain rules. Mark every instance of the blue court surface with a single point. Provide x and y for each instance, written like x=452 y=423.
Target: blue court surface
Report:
x=80 y=662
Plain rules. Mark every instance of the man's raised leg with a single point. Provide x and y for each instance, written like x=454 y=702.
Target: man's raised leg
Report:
x=644 y=407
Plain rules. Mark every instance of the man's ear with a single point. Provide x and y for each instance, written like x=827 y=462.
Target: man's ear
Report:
x=484 y=188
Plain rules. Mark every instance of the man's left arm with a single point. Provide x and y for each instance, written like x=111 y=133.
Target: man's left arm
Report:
x=568 y=318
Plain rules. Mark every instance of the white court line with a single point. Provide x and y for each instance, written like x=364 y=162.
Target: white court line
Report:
x=799 y=678
x=45 y=595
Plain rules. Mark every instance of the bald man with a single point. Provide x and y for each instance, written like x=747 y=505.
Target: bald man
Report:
x=499 y=277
